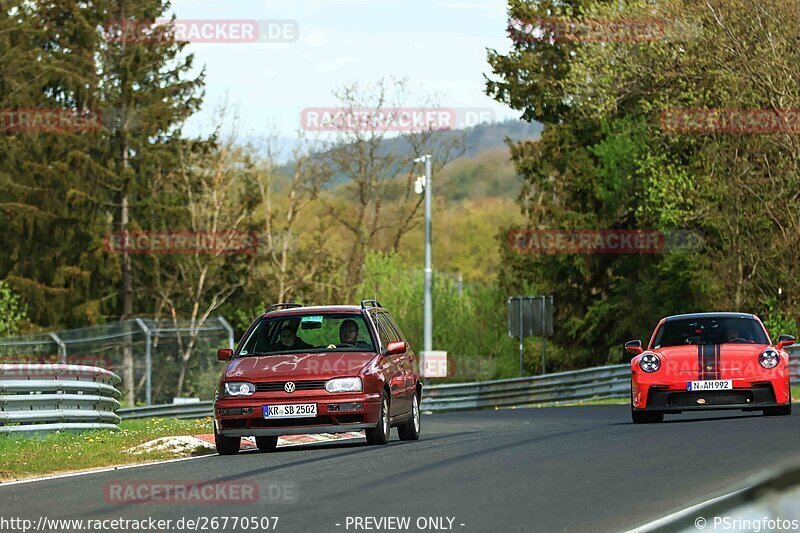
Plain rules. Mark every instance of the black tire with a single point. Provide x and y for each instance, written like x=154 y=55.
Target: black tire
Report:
x=410 y=429
x=380 y=433
x=782 y=410
x=646 y=417
x=267 y=443
x=226 y=445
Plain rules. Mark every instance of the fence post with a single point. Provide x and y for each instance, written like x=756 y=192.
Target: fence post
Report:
x=62 y=348
x=229 y=329
x=147 y=362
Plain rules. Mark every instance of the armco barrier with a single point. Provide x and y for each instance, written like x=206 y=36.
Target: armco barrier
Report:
x=603 y=382
x=189 y=410
x=42 y=398
x=599 y=383
x=592 y=383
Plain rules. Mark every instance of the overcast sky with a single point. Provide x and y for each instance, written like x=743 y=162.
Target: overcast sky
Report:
x=438 y=45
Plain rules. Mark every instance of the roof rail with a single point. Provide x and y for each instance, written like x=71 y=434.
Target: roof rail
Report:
x=288 y=305
x=375 y=303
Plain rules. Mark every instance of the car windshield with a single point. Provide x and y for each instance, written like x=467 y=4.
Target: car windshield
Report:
x=710 y=330
x=341 y=332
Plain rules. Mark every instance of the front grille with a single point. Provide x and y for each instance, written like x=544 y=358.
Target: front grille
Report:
x=349 y=419
x=291 y=422
x=712 y=398
x=277 y=386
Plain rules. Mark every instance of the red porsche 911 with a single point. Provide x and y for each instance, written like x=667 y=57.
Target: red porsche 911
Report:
x=706 y=361
x=302 y=370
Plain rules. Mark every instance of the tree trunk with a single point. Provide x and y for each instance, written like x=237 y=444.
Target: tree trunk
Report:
x=127 y=284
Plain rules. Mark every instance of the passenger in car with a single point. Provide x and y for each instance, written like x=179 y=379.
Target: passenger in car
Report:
x=290 y=341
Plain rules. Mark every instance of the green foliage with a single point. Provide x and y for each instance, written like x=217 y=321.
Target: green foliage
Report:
x=776 y=322
x=605 y=162
x=12 y=312
x=472 y=326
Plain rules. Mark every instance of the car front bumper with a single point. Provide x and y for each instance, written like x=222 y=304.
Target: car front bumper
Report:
x=230 y=421
x=672 y=396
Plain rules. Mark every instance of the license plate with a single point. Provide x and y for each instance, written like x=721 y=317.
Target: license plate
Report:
x=717 y=384
x=292 y=410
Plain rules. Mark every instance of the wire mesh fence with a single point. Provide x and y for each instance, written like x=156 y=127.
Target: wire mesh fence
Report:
x=158 y=360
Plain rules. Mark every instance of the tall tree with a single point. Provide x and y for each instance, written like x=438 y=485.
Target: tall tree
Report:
x=146 y=81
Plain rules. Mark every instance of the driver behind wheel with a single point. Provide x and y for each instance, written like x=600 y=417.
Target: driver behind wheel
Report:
x=348 y=332
x=348 y=335
x=733 y=335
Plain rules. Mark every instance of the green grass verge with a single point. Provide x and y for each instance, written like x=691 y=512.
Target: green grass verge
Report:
x=33 y=456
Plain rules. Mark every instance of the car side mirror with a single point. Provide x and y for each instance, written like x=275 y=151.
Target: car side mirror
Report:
x=785 y=341
x=396 y=347
x=224 y=354
x=634 y=347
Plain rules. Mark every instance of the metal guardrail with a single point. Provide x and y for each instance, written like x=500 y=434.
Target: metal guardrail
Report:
x=185 y=411
x=43 y=398
x=599 y=383
x=593 y=383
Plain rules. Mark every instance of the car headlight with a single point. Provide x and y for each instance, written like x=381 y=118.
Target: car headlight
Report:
x=769 y=358
x=238 y=388
x=649 y=362
x=344 y=385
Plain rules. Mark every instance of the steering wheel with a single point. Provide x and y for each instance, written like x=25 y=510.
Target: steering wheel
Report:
x=738 y=339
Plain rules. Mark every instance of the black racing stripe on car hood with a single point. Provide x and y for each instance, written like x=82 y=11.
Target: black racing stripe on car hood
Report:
x=708 y=358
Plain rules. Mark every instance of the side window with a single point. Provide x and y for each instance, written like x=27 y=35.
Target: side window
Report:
x=391 y=334
x=394 y=325
x=380 y=329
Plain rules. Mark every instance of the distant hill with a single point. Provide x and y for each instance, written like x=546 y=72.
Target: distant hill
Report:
x=489 y=174
x=483 y=170
x=478 y=138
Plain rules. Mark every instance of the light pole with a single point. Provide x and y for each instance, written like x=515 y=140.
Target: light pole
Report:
x=428 y=302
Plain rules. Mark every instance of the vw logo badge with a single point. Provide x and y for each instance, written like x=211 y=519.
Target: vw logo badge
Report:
x=289 y=387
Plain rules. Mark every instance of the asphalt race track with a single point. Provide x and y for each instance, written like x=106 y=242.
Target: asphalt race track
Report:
x=550 y=469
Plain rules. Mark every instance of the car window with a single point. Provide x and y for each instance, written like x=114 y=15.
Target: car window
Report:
x=710 y=330
x=391 y=333
x=385 y=335
x=308 y=333
x=396 y=328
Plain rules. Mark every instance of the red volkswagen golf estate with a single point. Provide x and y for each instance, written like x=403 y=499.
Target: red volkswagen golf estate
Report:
x=332 y=369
